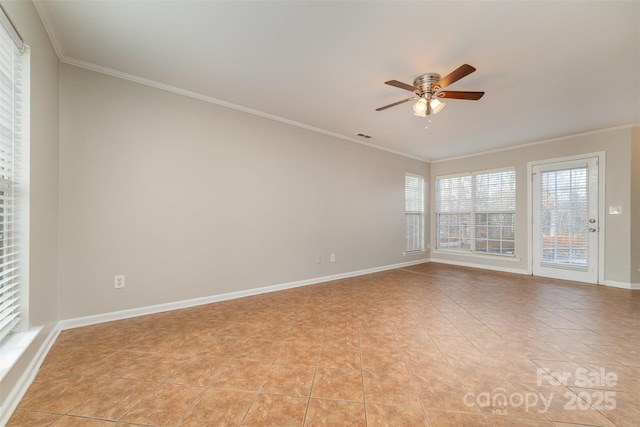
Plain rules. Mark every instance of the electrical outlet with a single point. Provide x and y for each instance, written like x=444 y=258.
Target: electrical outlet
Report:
x=318 y=259
x=118 y=281
x=333 y=257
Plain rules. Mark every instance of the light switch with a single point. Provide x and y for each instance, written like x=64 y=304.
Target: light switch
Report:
x=615 y=210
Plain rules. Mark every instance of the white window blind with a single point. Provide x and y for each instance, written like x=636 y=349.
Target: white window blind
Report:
x=12 y=110
x=454 y=206
x=564 y=211
x=414 y=212
x=475 y=212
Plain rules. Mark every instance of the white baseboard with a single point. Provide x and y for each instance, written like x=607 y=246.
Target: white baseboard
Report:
x=10 y=403
x=143 y=311
x=622 y=285
x=480 y=266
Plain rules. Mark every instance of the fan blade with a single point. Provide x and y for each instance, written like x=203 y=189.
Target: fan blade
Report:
x=456 y=94
x=401 y=85
x=395 y=103
x=454 y=76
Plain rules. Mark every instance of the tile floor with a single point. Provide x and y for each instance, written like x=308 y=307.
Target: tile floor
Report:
x=426 y=345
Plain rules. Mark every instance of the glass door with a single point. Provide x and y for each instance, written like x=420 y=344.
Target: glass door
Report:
x=565 y=220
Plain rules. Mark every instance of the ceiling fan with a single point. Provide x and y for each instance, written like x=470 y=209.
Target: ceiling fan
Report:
x=429 y=87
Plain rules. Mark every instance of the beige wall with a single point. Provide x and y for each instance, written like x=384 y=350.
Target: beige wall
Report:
x=188 y=199
x=616 y=144
x=43 y=254
x=635 y=206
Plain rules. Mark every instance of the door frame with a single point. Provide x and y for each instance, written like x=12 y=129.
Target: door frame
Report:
x=600 y=155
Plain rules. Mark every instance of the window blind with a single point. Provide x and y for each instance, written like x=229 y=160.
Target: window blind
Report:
x=454 y=194
x=454 y=206
x=476 y=212
x=11 y=130
x=414 y=212
x=494 y=212
x=564 y=211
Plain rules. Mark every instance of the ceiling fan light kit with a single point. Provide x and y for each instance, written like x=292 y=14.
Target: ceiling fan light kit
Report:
x=436 y=105
x=428 y=88
x=420 y=108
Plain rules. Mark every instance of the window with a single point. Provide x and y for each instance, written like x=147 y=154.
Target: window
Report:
x=414 y=212
x=564 y=209
x=476 y=212
x=12 y=120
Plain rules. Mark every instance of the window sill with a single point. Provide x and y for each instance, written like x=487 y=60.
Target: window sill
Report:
x=13 y=347
x=500 y=257
x=420 y=252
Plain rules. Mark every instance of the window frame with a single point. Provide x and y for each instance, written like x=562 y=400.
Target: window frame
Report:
x=465 y=216
x=412 y=214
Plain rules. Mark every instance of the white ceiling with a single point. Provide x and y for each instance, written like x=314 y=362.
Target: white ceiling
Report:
x=549 y=68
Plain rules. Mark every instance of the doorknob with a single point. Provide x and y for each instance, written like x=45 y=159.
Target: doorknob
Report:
x=592 y=221
x=592 y=230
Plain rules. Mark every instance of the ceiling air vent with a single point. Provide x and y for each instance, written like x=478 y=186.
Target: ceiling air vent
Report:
x=362 y=135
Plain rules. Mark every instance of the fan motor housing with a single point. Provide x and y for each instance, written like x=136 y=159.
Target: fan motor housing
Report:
x=425 y=82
